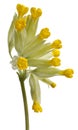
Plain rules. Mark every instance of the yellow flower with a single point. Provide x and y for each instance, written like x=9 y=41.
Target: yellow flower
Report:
x=55 y=61
x=57 y=44
x=68 y=73
x=35 y=13
x=55 y=52
x=36 y=107
x=21 y=9
x=20 y=24
x=22 y=63
x=44 y=33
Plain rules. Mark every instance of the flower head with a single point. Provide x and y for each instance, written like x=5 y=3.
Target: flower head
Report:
x=35 y=57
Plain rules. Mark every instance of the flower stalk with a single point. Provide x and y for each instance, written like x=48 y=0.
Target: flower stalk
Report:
x=21 y=79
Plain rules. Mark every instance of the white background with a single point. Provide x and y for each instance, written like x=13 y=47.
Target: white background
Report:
x=60 y=105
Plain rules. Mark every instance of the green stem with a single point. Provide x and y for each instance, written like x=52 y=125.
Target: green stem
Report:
x=24 y=101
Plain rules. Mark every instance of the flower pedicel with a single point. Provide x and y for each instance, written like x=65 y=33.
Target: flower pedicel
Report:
x=36 y=58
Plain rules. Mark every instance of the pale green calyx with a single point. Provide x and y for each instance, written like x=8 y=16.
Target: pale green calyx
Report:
x=46 y=72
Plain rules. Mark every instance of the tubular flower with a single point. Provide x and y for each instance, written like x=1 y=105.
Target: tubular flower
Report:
x=34 y=57
x=36 y=107
x=21 y=9
x=68 y=73
x=35 y=13
x=44 y=33
x=20 y=24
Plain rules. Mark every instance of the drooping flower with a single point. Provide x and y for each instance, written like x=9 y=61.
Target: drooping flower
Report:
x=35 y=57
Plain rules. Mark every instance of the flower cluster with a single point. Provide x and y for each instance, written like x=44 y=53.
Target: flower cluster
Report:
x=36 y=58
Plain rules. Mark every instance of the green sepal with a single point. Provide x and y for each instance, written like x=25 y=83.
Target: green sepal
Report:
x=31 y=27
x=20 y=38
x=23 y=75
x=35 y=88
x=11 y=35
x=38 y=63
